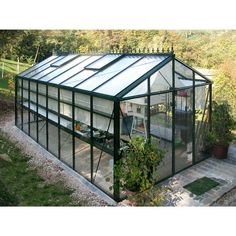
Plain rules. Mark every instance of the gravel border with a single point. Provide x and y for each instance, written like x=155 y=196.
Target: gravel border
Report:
x=51 y=169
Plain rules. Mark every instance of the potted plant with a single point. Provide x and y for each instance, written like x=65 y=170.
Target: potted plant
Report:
x=222 y=123
x=137 y=169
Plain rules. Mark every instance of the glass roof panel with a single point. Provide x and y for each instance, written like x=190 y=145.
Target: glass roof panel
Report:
x=99 y=64
x=64 y=68
x=37 y=65
x=75 y=70
x=127 y=77
x=40 y=69
x=78 y=78
x=64 y=61
x=107 y=73
x=43 y=73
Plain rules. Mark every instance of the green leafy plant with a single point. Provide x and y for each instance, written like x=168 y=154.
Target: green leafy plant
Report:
x=222 y=124
x=137 y=169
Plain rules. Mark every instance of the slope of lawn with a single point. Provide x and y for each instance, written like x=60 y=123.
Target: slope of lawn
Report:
x=21 y=186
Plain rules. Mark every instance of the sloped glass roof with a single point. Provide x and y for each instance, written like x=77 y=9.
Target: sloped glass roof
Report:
x=114 y=75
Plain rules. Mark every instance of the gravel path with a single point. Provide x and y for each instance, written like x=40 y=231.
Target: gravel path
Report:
x=45 y=165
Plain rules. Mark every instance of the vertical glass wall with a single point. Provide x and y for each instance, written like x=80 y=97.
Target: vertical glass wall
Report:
x=201 y=121
x=161 y=130
x=103 y=143
x=183 y=128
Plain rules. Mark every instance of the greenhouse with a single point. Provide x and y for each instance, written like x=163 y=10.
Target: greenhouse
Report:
x=84 y=109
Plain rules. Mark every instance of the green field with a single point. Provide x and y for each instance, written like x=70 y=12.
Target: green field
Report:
x=8 y=70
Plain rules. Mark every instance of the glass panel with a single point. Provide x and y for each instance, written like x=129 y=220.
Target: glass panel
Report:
x=82 y=100
x=162 y=79
x=64 y=61
x=42 y=100
x=83 y=158
x=64 y=68
x=42 y=130
x=33 y=97
x=107 y=73
x=53 y=139
x=25 y=84
x=82 y=116
x=103 y=170
x=42 y=88
x=66 y=95
x=25 y=96
x=74 y=70
x=66 y=149
x=78 y=78
x=183 y=76
x=52 y=104
x=103 y=105
x=183 y=129
x=161 y=130
x=37 y=65
x=19 y=82
x=136 y=110
x=33 y=125
x=33 y=86
x=103 y=62
x=183 y=71
x=19 y=118
x=199 y=79
x=41 y=68
x=127 y=77
x=140 y=89
x=201 y=122
x=101 y=123
x=43 y=73
x=53 y=92
x=25 y=120
x=66 y=110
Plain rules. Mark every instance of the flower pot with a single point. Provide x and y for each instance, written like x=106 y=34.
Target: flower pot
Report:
x=220 y=151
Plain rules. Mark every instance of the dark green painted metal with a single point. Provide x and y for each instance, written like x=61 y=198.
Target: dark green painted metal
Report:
x=91 y=138
x=22 y=104
x=193 y=120
x=143 y=77
x=116 y=183
x=73 y=129
x=148 y=110
x=47 y=117
x=59 y=123
x=173 y=114
x=37 y=107
x=210 y=106
x=29 y=107
x=16 y=96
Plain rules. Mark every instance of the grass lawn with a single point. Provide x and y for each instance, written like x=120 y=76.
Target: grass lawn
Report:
x=202 y=185
x=21 y=186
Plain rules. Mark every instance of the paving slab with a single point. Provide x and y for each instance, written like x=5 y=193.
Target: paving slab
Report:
x=223 y=171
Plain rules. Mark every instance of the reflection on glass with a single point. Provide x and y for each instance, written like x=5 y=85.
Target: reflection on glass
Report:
x=107 y=73
x=53 y=139
x=66 y=149
x=102 y=62
x=103 y=170
x=37 y=66
x=131 y=74
x=83 y=158
x=183 y=129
